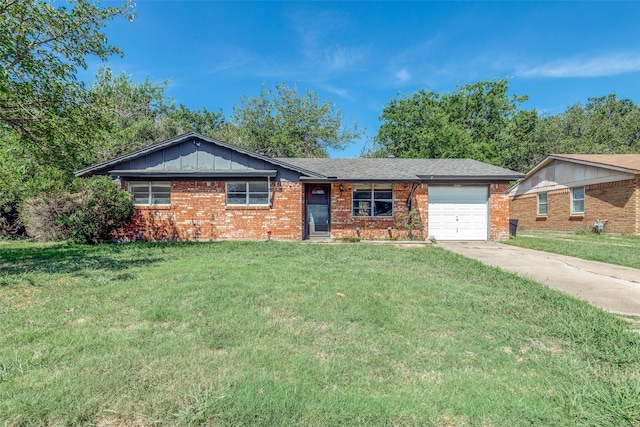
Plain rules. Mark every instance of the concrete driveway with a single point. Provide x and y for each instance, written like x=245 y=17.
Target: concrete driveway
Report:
x=610 y=287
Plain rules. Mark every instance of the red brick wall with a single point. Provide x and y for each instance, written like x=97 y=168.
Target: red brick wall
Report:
x=616 y=202
x=343 y=224
x=198 y=211
x=499 y=211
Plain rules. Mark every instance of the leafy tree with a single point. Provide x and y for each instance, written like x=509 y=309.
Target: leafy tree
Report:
x=42 y=45
x=134 y=115
x=468 y=122
x=282 y=123
x=522 y=144
x=614 y=125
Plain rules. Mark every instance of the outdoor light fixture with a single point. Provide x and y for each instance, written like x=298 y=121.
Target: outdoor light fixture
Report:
x=341 y=188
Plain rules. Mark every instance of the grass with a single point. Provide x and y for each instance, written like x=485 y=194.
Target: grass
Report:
x=248 y=333
x=613 y=249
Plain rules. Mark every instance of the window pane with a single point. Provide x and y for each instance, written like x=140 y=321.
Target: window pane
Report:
x=362 y=194
x=361 y=208
x=578 y=206
x=258 y=199
x=383 y=194
x=140 y=193
x=542 y=209
x=161 y=199
x=383 y=208
x=542 y=197
x=578 y=193
x=258 y=186
x=235 y=187
x=140 y=199
x=155 y=188
x=236 y=199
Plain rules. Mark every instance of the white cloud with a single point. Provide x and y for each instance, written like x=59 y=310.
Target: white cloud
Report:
x=342 y=57
x=577 y=67
x=403 y=75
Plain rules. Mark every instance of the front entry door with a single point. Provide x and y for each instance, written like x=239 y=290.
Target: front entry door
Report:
x=317 y=210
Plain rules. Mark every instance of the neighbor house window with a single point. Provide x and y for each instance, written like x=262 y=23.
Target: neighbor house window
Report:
x=149 y=193
x=373 y=200
x=248 y=193
x=542 y=203
x=577 y=200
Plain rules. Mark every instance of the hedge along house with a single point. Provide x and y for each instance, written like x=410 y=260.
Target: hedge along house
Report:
x=566 y=192
x=197 y=188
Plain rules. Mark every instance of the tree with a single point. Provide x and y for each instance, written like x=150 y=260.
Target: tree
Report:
x=41 y=48
x=614 y=125
x=281 y=123
x=522 y=144
x=468 y=122
x=133 y=115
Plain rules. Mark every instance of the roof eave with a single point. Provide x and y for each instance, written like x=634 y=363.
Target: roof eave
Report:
x=194 y=174
x=470 y=177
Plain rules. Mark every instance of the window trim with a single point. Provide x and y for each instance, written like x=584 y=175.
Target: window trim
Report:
x=248 y=193
x=372 y=200
x=149 y=185
x=545 y=204
x=573 y=200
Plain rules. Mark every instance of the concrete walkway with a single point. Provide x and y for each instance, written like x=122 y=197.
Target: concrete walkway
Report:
x=610 y=287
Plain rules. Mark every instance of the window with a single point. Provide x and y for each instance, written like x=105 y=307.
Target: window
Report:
x=577 y=200
x=373 y=200
x=248 y=193
x=150 y=193
x=542 y=203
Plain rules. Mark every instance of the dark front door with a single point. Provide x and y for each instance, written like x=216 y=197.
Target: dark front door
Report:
x=317 y=210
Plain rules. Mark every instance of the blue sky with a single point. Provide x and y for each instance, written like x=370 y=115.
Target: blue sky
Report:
x=362 y=54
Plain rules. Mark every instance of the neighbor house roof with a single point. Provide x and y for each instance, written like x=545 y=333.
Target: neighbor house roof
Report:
x=389 y=169
x=629 y=163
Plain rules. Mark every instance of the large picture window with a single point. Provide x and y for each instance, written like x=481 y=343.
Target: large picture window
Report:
x=577 y=200
x=542 y=203
x=373 y=200
x=149 y=193
x=248 y=193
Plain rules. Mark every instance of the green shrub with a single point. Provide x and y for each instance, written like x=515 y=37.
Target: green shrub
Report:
x=88 y=212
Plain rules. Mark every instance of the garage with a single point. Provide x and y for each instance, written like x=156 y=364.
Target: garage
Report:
x=459 y=212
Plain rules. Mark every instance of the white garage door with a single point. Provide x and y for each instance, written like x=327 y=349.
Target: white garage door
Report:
x=458 y=213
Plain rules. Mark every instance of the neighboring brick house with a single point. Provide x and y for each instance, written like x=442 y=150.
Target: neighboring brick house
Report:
x=197 y=188
x=567 y=192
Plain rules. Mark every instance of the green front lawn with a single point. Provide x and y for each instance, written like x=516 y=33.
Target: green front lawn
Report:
x=610 y=248
x=249 y=333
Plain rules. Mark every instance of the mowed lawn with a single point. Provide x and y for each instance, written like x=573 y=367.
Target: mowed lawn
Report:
x=620 y=249
x=271 y=333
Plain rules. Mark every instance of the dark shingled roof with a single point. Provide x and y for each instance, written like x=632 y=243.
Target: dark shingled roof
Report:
x=360 y=169
x=395 y=169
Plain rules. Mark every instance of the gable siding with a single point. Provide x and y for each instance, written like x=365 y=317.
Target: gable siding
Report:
x=559 y=175
x=189 y=156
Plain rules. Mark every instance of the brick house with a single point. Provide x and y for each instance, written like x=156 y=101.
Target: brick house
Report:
x=192 y=187
x=566 y=192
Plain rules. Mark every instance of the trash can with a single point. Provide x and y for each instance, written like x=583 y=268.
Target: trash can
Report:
x=513 y=227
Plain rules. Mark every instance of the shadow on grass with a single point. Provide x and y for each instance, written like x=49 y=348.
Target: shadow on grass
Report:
x=74 y=259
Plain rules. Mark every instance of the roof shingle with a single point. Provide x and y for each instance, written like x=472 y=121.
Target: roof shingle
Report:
x=388 y=169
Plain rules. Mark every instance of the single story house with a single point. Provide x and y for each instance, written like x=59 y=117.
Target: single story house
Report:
x=567 y=192
x=192 y=187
